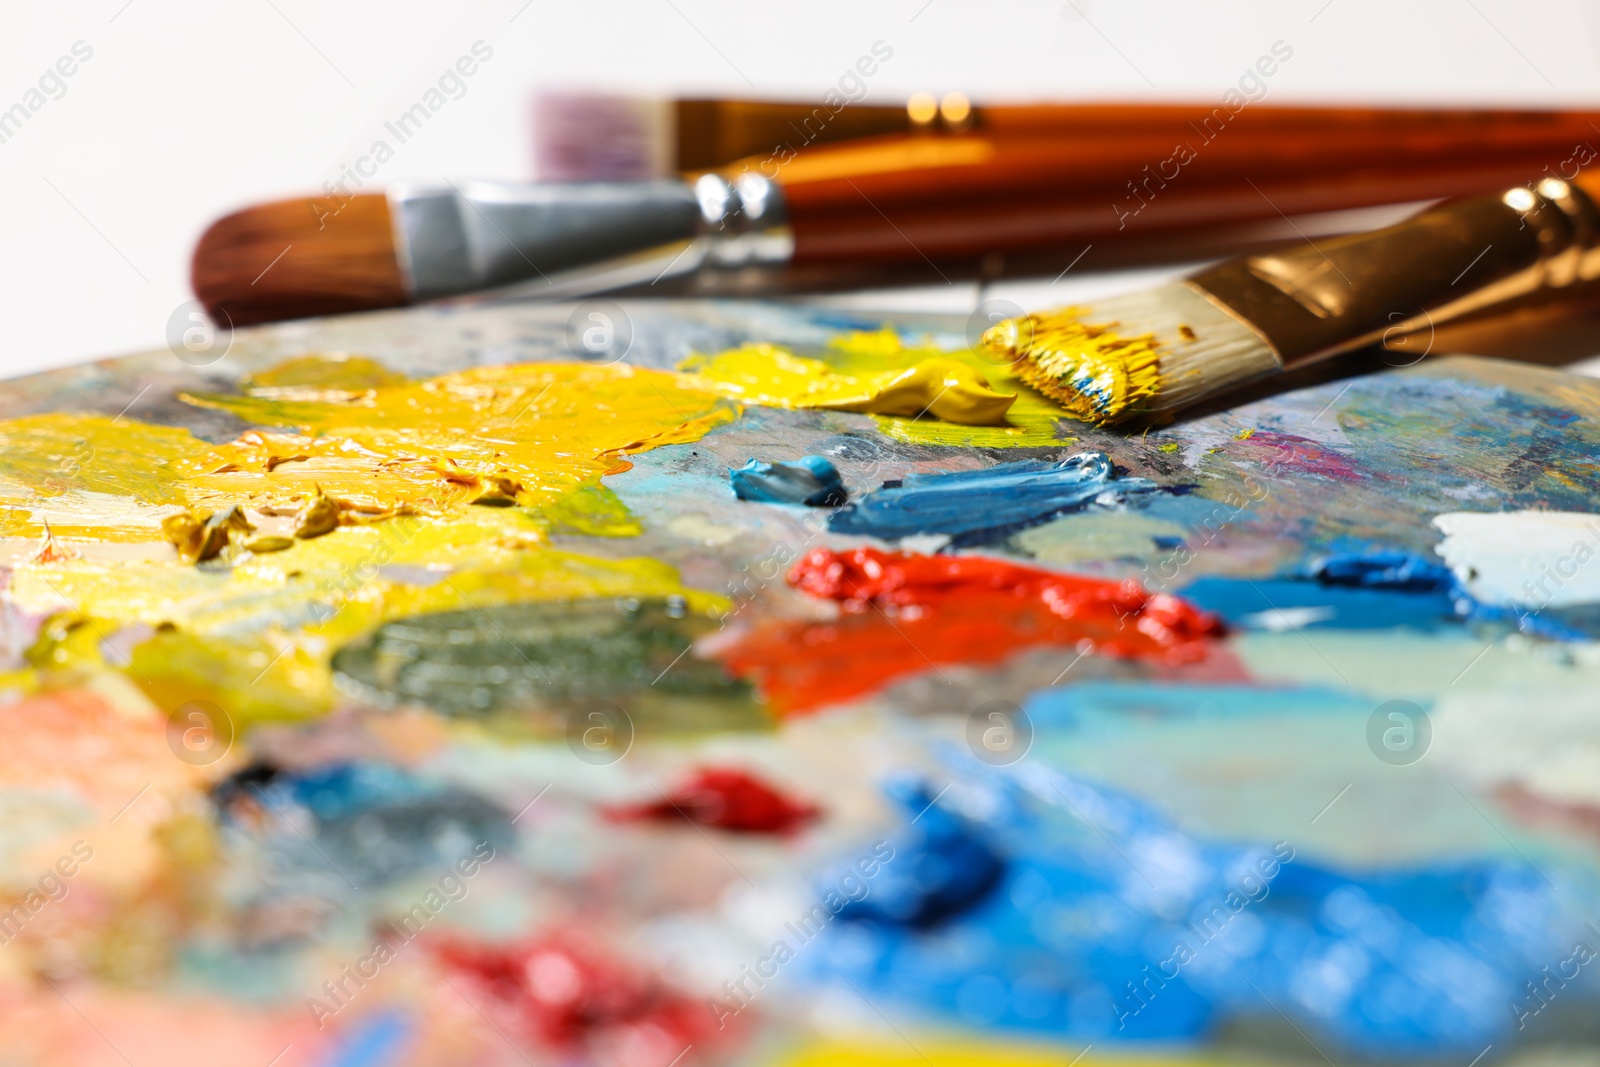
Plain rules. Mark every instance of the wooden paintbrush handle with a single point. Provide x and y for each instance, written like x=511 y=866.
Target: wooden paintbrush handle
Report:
x=1450 y=263
x=1032 y=219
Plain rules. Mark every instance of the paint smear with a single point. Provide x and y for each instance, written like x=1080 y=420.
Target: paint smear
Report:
x=1291 y=452
x=856 y=364
x=571 y=996
x=551 y=665
x=1535 y=558
x=1229 y=924
x=1378 y=588
x=725 y=798
x=974 y=507
x=902 y=614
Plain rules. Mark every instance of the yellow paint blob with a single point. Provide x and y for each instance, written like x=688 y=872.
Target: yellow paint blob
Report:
x=940 y=387
x=1098 y=375
x=440 y=444
x=921 y=394
x=932 y=1050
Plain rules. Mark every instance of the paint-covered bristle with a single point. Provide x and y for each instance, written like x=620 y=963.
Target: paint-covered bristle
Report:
x=1132 y=355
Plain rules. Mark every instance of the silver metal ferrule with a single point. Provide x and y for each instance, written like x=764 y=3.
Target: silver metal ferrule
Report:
x=558 y=239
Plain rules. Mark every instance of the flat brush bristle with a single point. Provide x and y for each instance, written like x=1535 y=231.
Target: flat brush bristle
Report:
x=1131 y=356
x=295 y=258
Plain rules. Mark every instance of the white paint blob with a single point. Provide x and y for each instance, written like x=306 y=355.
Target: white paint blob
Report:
x=1535 y=558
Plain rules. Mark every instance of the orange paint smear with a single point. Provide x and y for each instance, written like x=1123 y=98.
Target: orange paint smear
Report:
x=903 y=614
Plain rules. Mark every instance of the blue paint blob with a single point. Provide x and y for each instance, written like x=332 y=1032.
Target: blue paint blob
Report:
x=369 y=823
x=812 y=481
x=976 y=507
x=1108 y=921
x=941 y=867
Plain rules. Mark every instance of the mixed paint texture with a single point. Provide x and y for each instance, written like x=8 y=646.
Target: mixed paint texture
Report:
x=400 y=692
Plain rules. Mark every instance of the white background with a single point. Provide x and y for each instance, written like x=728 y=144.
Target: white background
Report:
x=190 y=108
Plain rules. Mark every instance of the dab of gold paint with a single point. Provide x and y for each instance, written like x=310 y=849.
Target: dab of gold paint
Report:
x=1170 y=446
x=938 y=386
x=859 y=372
x=1095 y=373
x=1245 y=434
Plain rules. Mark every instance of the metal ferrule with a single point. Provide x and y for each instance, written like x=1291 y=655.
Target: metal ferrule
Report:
x=1452 y=262
x=566 y=239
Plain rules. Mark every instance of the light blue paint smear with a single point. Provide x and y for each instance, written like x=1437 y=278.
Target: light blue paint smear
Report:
x=1376 y=589
x=812 y=481
x=976 y=507
x=370 y=823
x=1109 y=922
x=376 y=1041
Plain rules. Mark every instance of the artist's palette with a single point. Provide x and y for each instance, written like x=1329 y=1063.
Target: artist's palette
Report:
x=401 y=690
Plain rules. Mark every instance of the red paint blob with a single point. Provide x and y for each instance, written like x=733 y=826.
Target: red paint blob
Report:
x=727 y=799
x=564 y=993
x=903 y=613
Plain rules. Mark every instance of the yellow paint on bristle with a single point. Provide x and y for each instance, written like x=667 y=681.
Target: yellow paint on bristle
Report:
x=1097 y=374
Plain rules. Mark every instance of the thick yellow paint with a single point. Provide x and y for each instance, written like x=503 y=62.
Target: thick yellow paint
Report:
x=1098 y=375
x=921 y=394
x=940 y=387
x=91 y=476
x=333 y=376
x=253 y=632
x=440 y=444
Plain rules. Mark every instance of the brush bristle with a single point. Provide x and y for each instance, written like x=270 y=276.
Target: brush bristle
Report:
x=296 y=258
x=1137 y=355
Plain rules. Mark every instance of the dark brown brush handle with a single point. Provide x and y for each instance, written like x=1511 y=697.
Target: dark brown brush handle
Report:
x=1478 y=255
x=1010 y=216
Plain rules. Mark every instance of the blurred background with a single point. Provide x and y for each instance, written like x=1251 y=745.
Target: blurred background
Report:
x=178 y=111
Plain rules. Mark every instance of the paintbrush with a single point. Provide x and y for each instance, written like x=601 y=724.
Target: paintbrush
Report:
x=1143 y=355
x=956 y=200
x=591 y=136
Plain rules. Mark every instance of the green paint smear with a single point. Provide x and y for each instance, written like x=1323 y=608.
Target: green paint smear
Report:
x=593 y=509
x=549 y=666
x=53 y=454
x=1034 y=420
